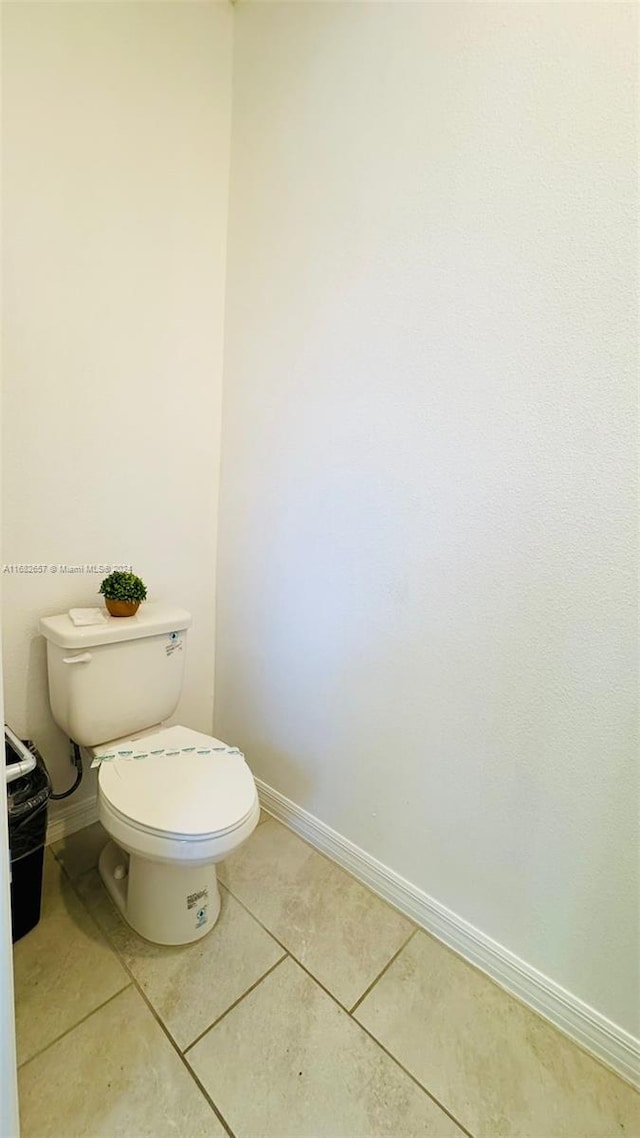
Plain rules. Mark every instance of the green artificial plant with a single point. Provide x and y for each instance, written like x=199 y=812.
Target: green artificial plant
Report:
x=126 y=587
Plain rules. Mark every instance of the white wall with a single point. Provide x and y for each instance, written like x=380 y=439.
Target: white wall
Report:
x=426 y=596
x=116 y=152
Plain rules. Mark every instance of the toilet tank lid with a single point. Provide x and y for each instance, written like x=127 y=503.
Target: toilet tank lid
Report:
x=151 y=619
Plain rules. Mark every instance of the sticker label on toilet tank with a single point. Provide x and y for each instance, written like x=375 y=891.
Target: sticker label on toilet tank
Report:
x=174 y=643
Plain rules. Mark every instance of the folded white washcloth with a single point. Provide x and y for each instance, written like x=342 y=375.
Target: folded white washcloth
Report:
x=87 y=616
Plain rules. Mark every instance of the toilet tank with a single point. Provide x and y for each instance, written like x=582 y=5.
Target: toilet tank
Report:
x=108 y=681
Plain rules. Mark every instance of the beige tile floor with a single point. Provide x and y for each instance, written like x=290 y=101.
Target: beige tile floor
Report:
x=313 y=1010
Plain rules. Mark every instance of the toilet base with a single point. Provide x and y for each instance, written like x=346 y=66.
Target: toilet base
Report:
x=164 y=902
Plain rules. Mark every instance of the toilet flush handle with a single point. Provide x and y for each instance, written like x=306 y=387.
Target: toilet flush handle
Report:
x=84 y=658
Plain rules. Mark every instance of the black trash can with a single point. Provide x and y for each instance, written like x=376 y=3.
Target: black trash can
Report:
x=27 y=802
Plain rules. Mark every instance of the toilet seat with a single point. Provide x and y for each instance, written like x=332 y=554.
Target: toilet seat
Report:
x=187 y=797
x=173 y=836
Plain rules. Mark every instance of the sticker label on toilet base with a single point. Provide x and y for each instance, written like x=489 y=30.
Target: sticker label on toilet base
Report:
x=198 y=900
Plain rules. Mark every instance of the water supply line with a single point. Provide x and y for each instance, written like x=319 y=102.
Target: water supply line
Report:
x=76 y=759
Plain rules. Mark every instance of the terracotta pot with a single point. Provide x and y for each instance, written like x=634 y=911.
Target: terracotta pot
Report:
x=122 y=608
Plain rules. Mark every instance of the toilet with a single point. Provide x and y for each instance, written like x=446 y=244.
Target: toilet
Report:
x=173 y=801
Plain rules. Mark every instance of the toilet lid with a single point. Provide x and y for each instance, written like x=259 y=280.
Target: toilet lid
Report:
x=186 y=794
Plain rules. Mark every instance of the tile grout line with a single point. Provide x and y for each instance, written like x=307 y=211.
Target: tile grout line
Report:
x=393 y=1058
x=286 y=953
x=341 y=868
x=381 y=973
x=63 y=1034
x=461 y=1127
x=267 y=816
x=218 y=1113
x=456 y=953
x=235 y=1003
x=134 y=983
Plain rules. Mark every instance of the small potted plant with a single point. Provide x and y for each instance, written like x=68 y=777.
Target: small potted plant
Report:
x=123 y=593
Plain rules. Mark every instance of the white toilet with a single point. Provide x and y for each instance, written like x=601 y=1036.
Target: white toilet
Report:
x=174 y=801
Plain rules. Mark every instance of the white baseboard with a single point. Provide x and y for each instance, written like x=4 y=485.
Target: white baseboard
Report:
x=70 y=817
x=602 y=1038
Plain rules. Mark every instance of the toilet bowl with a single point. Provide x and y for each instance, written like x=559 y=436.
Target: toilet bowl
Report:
x=171 y=815
x=172 y=800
